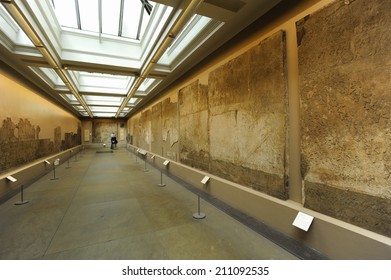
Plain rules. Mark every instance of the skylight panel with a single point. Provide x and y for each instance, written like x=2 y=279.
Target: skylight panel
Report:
x=71 y=97
x=89 y=15
x=103 y=100
x=66 y=13
x=126 y=18
x=132 y=13
x=84 y=114
x=100 y=109
x=48 y=75
x=104 y=115
x=111 y=10
x=12 y=30
x=132 y=101
x=146 y=84
x=100 y=80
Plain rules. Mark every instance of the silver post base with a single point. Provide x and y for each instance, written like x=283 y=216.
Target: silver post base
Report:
x=199 y=216
x=22 y=202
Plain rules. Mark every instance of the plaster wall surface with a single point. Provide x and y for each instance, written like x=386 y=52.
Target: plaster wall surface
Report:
x=31 y=127
x=332 y=67
x=156 y=129
x=346 y=112
x=145 y=130
x=170 y=129
x=194 y=126
x=247 y=106
x=96 y=132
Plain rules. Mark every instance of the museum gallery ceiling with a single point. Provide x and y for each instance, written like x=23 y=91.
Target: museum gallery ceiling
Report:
x=106 y=58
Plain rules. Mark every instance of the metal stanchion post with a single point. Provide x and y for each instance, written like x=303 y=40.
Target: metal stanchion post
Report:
x=145 y=164
x=68 y=160
x=55 y=163
x=161 y=180
x=199 y=215
x=21 y=197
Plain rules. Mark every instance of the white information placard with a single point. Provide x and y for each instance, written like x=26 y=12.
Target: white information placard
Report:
x=205 y=180
x=47 y=162
x=142 y=152
x=153 y=156
x=166 y=162
x=12 y=179
x=303 y=221
x=57 y=162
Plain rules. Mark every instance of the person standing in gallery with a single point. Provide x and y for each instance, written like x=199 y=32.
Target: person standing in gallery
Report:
x=113 y=140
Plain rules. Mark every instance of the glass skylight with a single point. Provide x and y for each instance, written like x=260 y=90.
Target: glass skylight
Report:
x=49 y=76
x=104 y=115
x=114 y=82
x=132 y=101
x=11 y=29
x=123 y=18
x=101 y=109
x=115 y=36
x=103 y=100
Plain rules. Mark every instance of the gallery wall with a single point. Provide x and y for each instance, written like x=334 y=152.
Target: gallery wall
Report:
x=31 y=126
x=96 y=132
x=345 y=90
x=326 y=65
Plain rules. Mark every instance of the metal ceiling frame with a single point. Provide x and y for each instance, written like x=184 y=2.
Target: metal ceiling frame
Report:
x=164 y=43
x=16 y=12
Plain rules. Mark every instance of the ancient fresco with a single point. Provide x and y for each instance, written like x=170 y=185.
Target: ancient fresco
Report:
x=170 y=131
x=101 y=130
x=346 y=112
x=247 y=118
x=20 y=142
x=156 y=129
x=135 y=130
x=194 y=126
x=145 y=130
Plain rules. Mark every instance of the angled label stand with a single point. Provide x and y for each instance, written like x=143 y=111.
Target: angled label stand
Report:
x=303 y=221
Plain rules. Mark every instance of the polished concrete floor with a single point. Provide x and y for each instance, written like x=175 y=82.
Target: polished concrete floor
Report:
x=106 y=207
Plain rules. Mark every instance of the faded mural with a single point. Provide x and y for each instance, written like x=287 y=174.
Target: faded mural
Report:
x=235 y=126
x=20 y=142
x=247 y=118
x=194 y=126
x=346 y=112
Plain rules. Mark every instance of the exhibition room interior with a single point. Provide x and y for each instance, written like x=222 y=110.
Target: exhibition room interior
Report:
x=246 y=129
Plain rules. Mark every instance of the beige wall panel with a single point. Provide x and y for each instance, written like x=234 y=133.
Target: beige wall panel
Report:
x=346 y=112
x=156 y=129
x=101 y=130
x=135 y=130
x=31 y=126
x=194 y=125
x=145 y=130
x=170 y=130
x=247 y=102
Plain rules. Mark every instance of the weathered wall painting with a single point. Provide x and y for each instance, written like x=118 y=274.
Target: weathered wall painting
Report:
x=346 y=112
x=20 y=142
x=194 y=126
x=156 y=129
x=145 y=130
x=234 y=127
x=101 y=130
x=247 y=118
x=170 y=130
